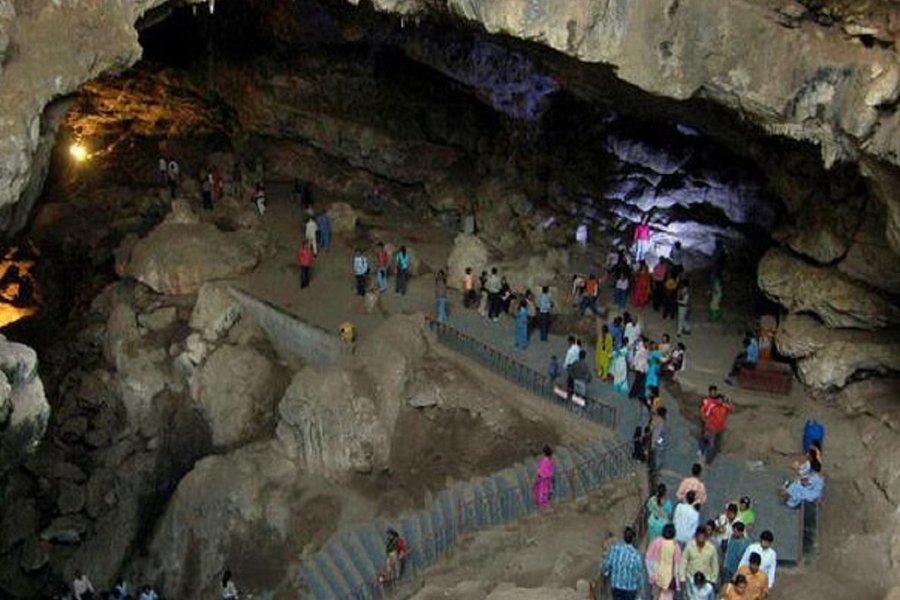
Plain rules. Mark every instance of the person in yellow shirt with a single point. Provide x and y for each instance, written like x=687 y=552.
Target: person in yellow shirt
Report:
x=736 y=590
x=757 y=580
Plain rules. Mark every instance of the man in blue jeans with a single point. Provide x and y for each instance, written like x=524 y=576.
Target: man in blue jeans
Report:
x=623 y=567
x=360 y=271
x=544 y=306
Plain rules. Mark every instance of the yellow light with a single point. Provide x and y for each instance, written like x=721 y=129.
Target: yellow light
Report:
x=78 y=152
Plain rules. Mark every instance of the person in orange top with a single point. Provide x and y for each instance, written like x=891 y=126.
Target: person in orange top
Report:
x=591 y=298
x=757 y=580
x=736 y=590
x=306 y=258
x=469 y=295
x=693 y=484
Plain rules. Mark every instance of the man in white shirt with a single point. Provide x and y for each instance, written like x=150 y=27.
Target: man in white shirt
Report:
x=311 y=230
x=686 y=519
x=572 y=353
x=82 y=588
x=769 y=559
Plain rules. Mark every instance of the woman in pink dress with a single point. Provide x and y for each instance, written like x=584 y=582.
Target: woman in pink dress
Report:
x=642 y=239
x=663 y=556
x=543 y=481
x=640 y=295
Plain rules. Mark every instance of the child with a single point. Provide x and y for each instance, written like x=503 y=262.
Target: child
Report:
x=554 y=370
x=699 y=588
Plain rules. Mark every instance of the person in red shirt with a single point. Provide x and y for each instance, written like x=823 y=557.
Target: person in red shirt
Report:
x=306 y=258
x=382 y=261
x=714 y=411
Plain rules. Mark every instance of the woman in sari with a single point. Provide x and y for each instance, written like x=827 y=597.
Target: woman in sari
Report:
x=659 y=512
x=654 y=361
x=619 y=367
x=543 y=481
x=603 y=354
x=640 y=295
x=663 y=555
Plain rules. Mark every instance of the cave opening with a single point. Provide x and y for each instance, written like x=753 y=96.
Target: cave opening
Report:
x=462 y=132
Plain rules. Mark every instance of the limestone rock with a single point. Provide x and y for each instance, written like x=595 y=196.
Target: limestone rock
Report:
x=20 y=520
x=425 y=398
x=215 y=312
x=468 y=251
x=71 y=497
x=122 y=253
x=237 y=388
x=144 y=375
x=327 y=427
x=24 y=410
x=343 y=217
x=121 y=329
x=66 y=530
x=829 y=358
x=839 y=302
x=533 y=272
x=159 y=319
x=179 y=258
x=870 y=258
x=218 y=504
x=181 y=213
x=34 y=555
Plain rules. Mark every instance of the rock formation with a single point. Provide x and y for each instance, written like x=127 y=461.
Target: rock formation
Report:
x=24 y=410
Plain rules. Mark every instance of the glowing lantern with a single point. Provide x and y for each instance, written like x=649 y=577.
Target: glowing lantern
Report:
x=78 y=152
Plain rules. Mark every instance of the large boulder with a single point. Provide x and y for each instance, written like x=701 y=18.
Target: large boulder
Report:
x=533 y=272
x=24 y=410
x=237 y=388
x=828 y=358
x=178 y=258
x=824 y=291
x=121 y=330
x=343 y=217
x=215 y=312
x=468 y=251
x=871 y=260
x=223 y=503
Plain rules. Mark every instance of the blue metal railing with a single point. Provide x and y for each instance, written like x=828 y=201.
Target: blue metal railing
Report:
x=521 y=374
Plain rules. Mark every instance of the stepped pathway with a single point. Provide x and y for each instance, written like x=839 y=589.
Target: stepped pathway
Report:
x=726 y=479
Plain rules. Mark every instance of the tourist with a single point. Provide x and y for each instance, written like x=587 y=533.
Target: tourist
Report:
x=806 y=488
x=572 y=353
x=483 y=296
x=579 y=375
x=543 y=480
x=715 y=299
x=468 y=286
x=714 y=411
x=736 y=590
x=640 y=295
x=768 y=556
x=382 y=262
x=659 y=438
x=654 y=360
x=492 y=286
x=723 y=526
x=259 y=199
x=746 y=514
x=698 y=588
x=590 y=299
x=522 y=325
x=229 y=589
x=162 y=167
x=323 y=223
x=148 y=593
x=311 y=230
x=603 y=352
x=670 y=296
x=402 y=261
x=659 y=512
x=683 y=299
x=305 y=258
x=544 y=305
x=657 y=282
x=360 y=271
x=675 y=363
x=665 y=347
x=734 y=550
x=632 y=329
x=693 y=484
x=802 y=466
x=395 y=551
x=206 y=189
x=642 y=239
x=640 y=443
x=218 y=186
x=621 y=290
x=618 y=333
x=623 y=567
x=639 y=366
x=757 y=580
x=662 y=558
x=576 y=294
x=581 y=236
x=440 y=296
x=506 y=296
x=699 y=556
x=173 y=174
x=676 y=258
x=686 y=518
x=82 y=588
x=747 y=359
x=120 y=590
x=618 y=368
x=554 y=369
x=301 y=194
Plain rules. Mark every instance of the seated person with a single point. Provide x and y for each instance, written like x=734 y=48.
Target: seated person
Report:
x=807 y=488
x=804 y=465
x=746 y=359
x=675 y=363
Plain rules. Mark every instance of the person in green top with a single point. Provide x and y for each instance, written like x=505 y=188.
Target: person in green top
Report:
x=745 y=513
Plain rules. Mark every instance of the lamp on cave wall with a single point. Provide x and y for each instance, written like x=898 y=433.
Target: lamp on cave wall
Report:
x=79 y=152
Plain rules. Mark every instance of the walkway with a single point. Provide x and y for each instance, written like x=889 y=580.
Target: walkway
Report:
x=726 y=479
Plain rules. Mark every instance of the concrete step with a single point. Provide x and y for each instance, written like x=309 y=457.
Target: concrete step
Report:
x=361 y=558
x=346 y=567
x=315 y=582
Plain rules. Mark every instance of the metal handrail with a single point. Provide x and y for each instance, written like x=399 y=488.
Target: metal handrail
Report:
x=518 y=372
